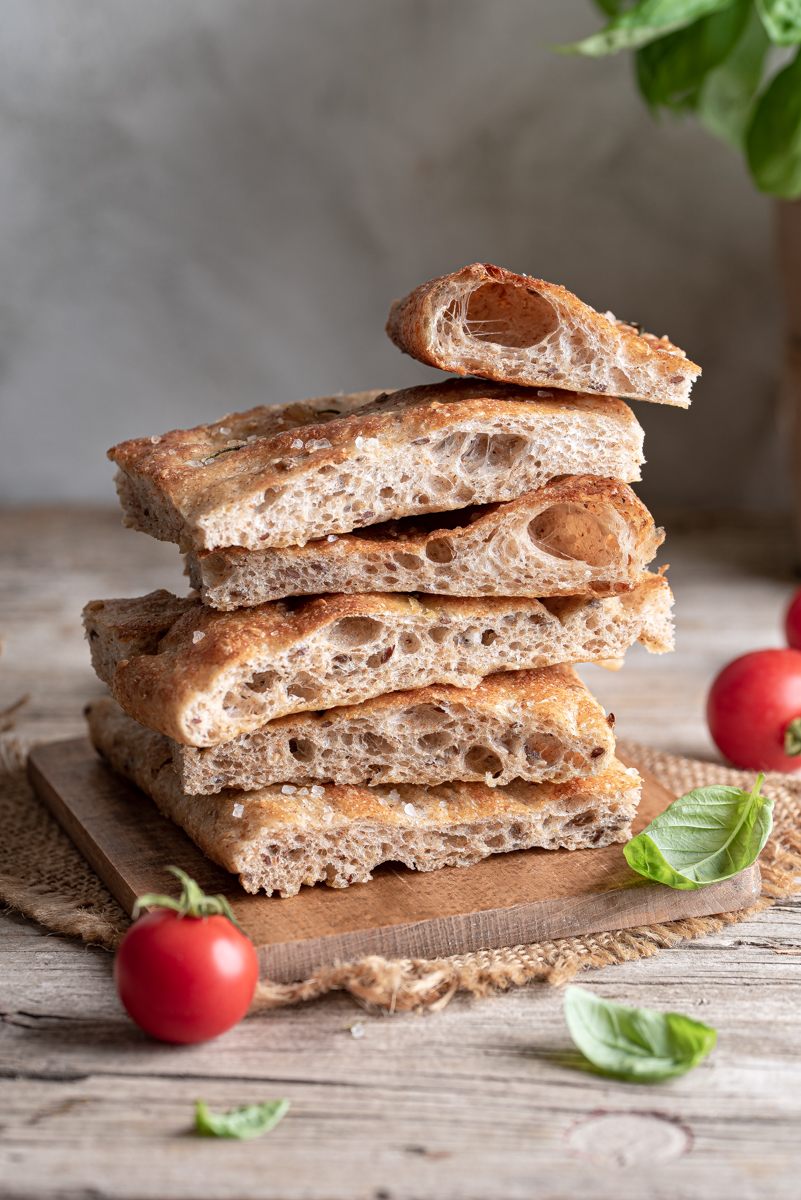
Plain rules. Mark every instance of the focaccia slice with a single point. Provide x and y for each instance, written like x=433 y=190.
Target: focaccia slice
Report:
x=543 y=726
x=489 y=322
x=425 y=449
x=212 y=676
x=578 y=535
x=279 y=838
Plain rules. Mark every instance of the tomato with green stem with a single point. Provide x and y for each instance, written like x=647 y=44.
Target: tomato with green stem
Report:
x=754 y=711
x=185 y=971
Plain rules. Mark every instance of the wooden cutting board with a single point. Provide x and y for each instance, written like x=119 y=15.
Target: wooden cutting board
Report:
x=506 y=900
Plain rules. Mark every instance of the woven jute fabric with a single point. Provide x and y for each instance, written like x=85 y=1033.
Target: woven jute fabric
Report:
x=43 y=876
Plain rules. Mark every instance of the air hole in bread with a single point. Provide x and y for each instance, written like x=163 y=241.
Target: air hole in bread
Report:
x=438 y=634
x=375 y=744
x=422 y=499
x=509 y=316
x=488 y=637
x=381 y=657
x=263 y=681
x=543 y=749
x=270 y=496
x=410 y=562
x=386 y=492
x=435 y=741
x=426 y=714
x=440 y=550
x=409 y=643
x=568 y=531
x=301 y=749
x=584 y=818
x=350 y=632
x=483 y=761
x=304 y=688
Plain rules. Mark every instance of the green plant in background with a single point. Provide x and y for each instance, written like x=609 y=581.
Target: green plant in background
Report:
x=718 y=59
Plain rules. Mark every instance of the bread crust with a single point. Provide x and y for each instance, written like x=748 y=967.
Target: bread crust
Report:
x=425 y=449
x=486 y=321
x=579 y=535
x=541 y=726
x=279 y=840
x=213 y=676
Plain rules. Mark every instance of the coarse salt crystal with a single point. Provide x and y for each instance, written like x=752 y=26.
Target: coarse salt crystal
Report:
x=198 y=636
x=155 y=439
x=410 y=810
x=318 y=444
x=288 y=789
x=297 y=444
x=357 y=1029
x=394 y=794
x=332 y=537
x=238 y=810
x=223 y=429
x=632 y=771
x=317 y=791
x=544 y=392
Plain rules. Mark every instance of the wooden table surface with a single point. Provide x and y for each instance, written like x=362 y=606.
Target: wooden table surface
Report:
x=470 y=1102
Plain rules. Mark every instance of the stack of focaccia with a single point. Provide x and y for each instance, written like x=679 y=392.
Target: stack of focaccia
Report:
x=388 y=592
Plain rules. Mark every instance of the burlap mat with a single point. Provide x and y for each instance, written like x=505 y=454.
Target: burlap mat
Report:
x=43 y=876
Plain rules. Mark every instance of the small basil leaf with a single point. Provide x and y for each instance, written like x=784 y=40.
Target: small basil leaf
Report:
x=773 y=141
x=726 y=98
x=644 y=23
x=249 y=1121
x=782 y=20
x=709 y=835
x=671 y=70
x=637 y=1044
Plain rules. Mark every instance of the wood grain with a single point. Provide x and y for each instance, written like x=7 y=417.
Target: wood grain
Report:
x=506 y=900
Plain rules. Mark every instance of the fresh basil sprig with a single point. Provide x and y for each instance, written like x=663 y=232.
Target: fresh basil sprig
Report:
x=636 y=1044
x=249 y=1121
x=709 y=835
x=711 y=57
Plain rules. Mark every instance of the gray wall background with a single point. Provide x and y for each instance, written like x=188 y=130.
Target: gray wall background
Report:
x=209 y=204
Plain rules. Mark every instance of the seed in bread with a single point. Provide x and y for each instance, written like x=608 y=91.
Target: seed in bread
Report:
x=425 y=449
x=213 y=676
x=542 y=726
x=577 y=535
x=489 y=322
x=279 y=838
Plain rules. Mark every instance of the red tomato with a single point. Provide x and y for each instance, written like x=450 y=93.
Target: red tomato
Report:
x=792 y=622
x=185 y=979
x=751 y=703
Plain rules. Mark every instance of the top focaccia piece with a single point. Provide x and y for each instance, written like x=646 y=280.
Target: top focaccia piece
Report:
x=444 y=446
x=488 y=322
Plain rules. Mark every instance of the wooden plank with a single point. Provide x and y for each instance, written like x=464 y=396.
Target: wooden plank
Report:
x=506 y=900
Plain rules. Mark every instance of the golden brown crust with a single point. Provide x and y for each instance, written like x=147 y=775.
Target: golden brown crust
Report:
x=216 y=675
x=486 y=321
x=425 y=449
x=279 y=839
x=579 y=535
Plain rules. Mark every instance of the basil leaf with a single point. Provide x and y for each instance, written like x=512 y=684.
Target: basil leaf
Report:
x=709 y=835
x=671 y=70
x=612 y=7
x=644 y=23
x=782 y=20
x=726 y=98
x=773 y=141
x=637 y=1044
x=249 y=1121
